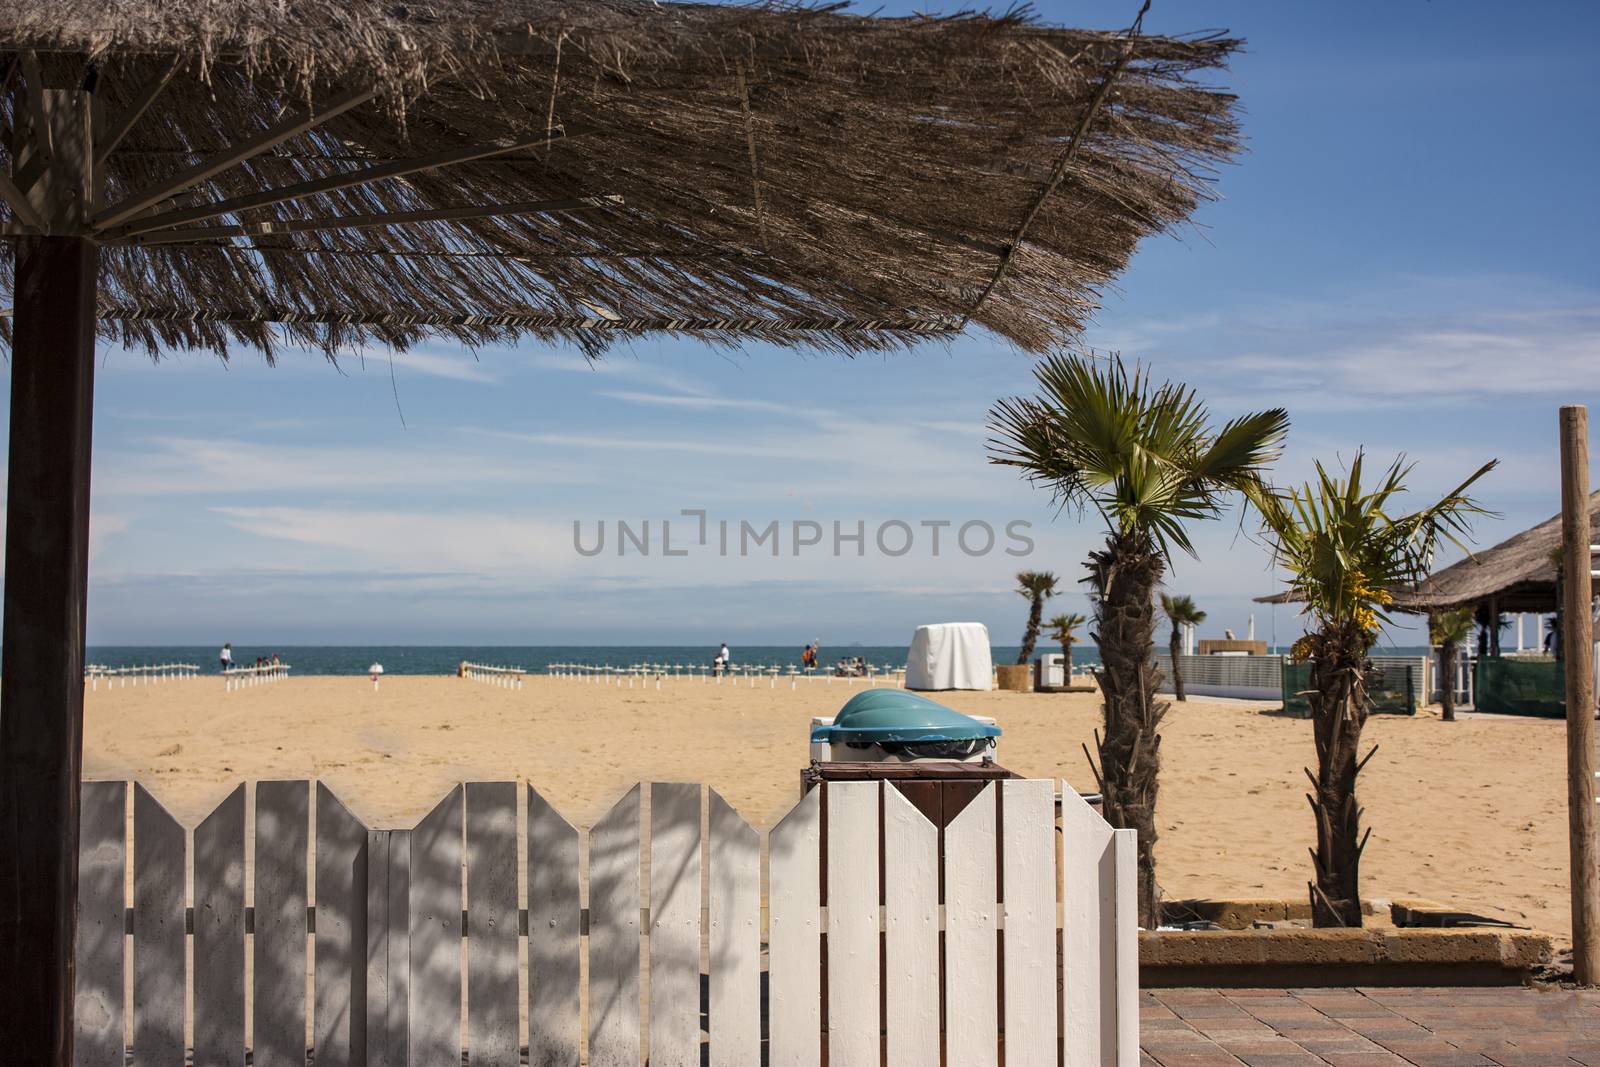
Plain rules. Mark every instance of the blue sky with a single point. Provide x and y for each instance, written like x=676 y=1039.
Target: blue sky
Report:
x=1403 y=258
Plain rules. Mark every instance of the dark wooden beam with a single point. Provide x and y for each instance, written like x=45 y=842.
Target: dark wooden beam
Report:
x=231 y=156
x=28 y=216
x=41 y=665
x=330 y=183
x=364 y=222
x=107 y=143
x=38 y=126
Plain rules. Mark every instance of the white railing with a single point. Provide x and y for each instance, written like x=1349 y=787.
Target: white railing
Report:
x=149 y=674
x=860 y=888
x=646 y=675
x=1242 y=677
x=1463 y=678
x=504 y=677
x=247 y=677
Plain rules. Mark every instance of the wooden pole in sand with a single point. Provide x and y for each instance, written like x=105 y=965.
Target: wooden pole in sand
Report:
x=1577 y=647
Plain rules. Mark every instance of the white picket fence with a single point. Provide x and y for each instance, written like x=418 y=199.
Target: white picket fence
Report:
x=648 y=674
x=858 y=914
x=248 y=677
x=504 y=677
x=147 y=674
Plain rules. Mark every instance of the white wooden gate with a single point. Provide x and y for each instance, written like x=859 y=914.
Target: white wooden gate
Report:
x=468 y=932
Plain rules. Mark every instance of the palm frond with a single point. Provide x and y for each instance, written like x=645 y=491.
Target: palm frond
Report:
x=1102 y=435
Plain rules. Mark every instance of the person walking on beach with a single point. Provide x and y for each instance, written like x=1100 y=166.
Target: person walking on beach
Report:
x=808 y=658
x=227 y=655
x=725 y=657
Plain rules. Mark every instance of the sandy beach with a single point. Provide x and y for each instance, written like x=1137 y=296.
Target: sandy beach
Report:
x=1470 y=813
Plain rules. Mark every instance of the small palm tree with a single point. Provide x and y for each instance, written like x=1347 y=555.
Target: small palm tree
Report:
x=1037 y=586
x=1344 y=550
x=1183 y=612
x=1146 y=458
x=1449 y=630
x=1064 y=629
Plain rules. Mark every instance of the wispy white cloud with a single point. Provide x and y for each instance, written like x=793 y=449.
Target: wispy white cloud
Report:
x=1417 y=342
x=430 y=540
x=703 y=402
x=460 y=366
x=232 y=466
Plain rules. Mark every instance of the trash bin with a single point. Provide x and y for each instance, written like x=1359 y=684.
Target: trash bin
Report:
x=896 y=726
x=938 y=758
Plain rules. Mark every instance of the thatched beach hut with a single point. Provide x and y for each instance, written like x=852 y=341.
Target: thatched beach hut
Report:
x=331 y=174
x=1520 y=574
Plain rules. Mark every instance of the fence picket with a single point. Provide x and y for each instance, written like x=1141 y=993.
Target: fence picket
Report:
x=492 y=1038
x=1124 y=932
x=614 y=936
x=971 y=954
x=278 y=1033
x=735 y=913
x=1088 y=894
x=388 y=946
x=794 y=922
x=911 y=939
x=1028 y=855
x=554 y=917
x=102 y=902
x=435 y=914
x=674 y=924
x=340 y=1012
x=853 y=1023
x=158 y=934
x=219 y=935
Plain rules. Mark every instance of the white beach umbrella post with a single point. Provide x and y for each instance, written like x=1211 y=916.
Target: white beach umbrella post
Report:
x=375 y=670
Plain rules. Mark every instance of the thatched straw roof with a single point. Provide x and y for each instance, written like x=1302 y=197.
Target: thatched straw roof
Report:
x=1519 y=574
x=600 y=168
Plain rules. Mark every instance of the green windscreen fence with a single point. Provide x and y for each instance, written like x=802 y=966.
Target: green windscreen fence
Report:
x=1392 y=688
x=1520 y=687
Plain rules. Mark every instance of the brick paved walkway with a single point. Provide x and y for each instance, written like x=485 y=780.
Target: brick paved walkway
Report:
x=1370 y=1027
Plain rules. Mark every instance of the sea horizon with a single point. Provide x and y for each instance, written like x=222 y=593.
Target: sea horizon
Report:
x=436 y=659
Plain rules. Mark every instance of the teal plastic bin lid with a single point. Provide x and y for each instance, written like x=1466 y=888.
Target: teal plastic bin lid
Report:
x=880 y=715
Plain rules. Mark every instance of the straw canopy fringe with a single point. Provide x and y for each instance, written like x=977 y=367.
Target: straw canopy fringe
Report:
x=332 y=173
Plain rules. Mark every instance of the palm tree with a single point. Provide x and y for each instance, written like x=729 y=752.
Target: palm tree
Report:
x=1037 y=586
x=1183 y=612
x=1146 y=459
x=1449 y=630
x=1344 y=550
x=1064 y=629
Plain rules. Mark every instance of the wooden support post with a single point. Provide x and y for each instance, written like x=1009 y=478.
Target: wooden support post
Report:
x=1494 y=626
x=1578 y=648
x=41 y=677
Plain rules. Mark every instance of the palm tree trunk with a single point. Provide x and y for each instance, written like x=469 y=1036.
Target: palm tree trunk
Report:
x=1030 y=636
x=1126 y=574
x=1174 y=647
x=1338 y=712
x=1447 y=683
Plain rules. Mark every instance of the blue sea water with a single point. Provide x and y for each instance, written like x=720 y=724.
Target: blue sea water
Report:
x=443 y=659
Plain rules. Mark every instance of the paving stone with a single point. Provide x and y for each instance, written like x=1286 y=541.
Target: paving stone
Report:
x=1208 y=1059
x=1280 y=1059
x=1364 y=1059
